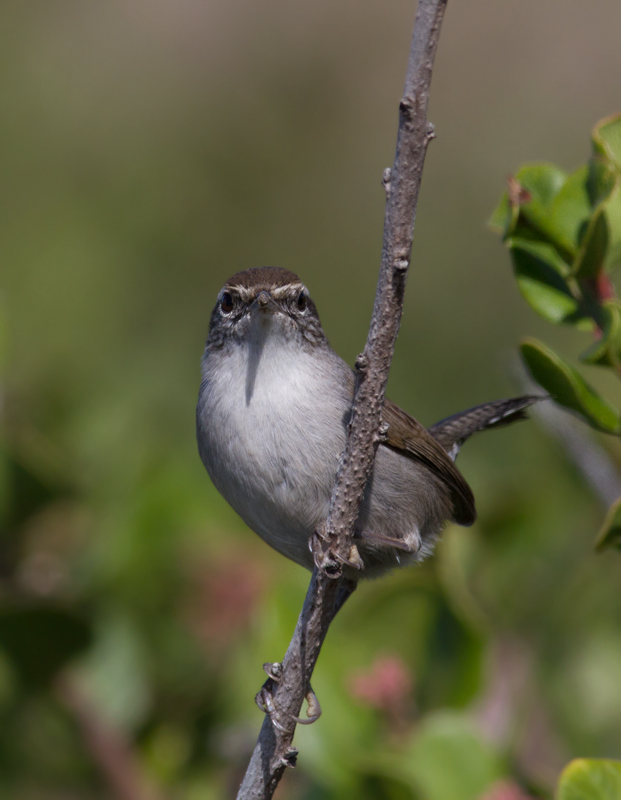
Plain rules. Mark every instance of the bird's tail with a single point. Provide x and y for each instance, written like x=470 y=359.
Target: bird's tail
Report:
x=453 y=431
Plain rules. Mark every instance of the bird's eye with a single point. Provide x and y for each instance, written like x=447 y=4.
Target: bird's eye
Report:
x=302 y=301
x=226 y=303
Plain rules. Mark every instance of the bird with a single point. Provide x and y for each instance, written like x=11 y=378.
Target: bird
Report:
x=272 y=417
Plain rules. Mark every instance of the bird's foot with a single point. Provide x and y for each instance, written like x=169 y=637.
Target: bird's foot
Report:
x=313 y=710
x=265 y=699
x=273 y=670
x=386 y=541
x=328 y=560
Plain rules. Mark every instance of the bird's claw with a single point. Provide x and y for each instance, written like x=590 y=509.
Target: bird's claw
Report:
x=328 y=560
x=323 y=555
x=273 y=670
x=313 y=710
x=265 y=700
x=354 y=561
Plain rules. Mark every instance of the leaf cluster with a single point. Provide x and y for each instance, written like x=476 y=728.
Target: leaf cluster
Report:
x=563 y=232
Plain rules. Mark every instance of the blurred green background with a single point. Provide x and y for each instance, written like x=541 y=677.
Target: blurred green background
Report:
x=149 y=151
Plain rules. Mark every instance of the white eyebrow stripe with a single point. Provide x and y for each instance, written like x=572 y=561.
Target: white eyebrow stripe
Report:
x=247 y=294
x=281 y=292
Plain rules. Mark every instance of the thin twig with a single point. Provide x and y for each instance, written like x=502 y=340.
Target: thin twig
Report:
x=283 y=694
x=274 y=752
x=373 y=365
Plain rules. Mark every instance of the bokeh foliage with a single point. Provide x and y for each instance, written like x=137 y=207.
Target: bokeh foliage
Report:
x=564 y=235
x=590 y=779
x=151 y=150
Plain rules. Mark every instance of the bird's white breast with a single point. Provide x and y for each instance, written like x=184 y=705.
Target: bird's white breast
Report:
x=272 y=416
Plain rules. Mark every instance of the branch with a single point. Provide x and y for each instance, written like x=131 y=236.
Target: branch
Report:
x=274 y=752
x=287 y=685
x=373 y=365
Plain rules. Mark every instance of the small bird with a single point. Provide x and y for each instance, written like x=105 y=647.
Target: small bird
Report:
x=273 y=408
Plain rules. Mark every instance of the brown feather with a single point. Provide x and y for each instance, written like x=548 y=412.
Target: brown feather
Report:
x=411 y=439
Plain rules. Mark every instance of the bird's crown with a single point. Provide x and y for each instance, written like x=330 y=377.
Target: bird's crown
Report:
x=276 y=280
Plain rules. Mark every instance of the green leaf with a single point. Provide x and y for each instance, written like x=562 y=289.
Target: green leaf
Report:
x=610 y=532
x=592 y=254
x=601 y=246
x=39 y=641
x=606 y=351
x=606 y=138
x=558 y=209
x=568 y=387
x=569 y=212
x=612 y=208
x=539 y=272
x=601 y=179
x=543 y=182
x=590 y=779
x=535 y=187
x=504 y=217
x=555 y=209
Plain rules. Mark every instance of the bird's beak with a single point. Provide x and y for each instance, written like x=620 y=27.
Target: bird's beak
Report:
x=264 y=301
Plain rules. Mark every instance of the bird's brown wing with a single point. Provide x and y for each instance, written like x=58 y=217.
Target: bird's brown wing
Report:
x=409 y=438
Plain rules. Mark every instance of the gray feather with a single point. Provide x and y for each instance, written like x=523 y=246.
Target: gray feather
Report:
x=453 y=431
